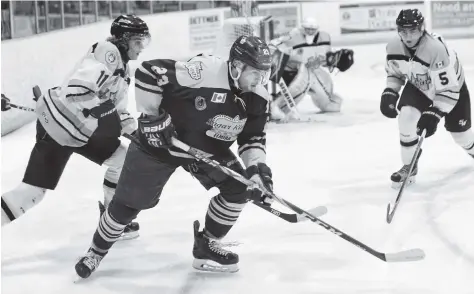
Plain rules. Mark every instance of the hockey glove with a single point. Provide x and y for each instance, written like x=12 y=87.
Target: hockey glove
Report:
x=429 y=121
x=5 y=103
x=388 y=103
x=342 y=59
x=108 y=119
x=261 y=174
x=156 y=131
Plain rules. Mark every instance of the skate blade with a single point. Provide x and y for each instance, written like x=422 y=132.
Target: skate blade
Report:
x=398 y=185
x=129 y=236
x=211 y=266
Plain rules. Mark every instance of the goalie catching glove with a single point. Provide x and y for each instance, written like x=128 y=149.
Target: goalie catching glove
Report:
x=156 y=131
x=261 y=175
x=342 y=59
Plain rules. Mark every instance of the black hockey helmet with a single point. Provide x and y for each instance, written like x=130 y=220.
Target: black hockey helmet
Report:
x=129 y=24
x=410 y=18
x=252 y=51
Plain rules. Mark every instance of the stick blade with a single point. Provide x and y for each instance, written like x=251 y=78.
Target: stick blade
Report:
x=317 y=212
x=407 y=255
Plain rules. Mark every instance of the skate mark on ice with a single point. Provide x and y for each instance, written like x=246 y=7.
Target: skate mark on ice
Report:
x=435 y=190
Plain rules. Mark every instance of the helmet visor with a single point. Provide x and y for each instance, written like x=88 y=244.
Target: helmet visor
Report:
x=410 y=36
x=254 y=76
x=139 y=42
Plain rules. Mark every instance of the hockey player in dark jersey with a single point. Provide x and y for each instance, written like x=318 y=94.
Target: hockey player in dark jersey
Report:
x=85 y=115
x=209 y=103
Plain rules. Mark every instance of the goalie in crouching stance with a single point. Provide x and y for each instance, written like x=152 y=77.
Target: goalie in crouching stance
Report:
x=303 y=59
x=208 y=103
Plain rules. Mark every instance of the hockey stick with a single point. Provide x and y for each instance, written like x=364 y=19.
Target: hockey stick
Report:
x=402 y=188
x=36 y=93
x=290 y=102
x=24 y=108
x=289 y=217
x=406 y=255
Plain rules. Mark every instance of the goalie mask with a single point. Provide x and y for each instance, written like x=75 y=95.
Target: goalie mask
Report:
x=249 y=62
x=309 y=28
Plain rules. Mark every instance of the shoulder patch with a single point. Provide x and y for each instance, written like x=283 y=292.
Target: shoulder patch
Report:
x=111 y=57
x=194 y=69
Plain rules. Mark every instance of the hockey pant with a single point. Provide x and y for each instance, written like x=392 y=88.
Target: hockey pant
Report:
x=458 y=122
x=46 y=165
x=142 y=181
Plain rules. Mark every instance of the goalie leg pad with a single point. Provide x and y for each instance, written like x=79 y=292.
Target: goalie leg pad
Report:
x=322 y=93
x=297 y=88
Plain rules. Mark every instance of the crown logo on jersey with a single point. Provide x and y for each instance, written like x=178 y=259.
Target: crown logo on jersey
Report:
x=421 y=81
x=194 y=69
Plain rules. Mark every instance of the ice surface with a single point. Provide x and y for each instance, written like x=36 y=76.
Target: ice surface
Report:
x=341 y=161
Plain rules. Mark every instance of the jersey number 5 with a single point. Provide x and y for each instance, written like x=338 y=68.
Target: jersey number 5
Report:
x=443 y=78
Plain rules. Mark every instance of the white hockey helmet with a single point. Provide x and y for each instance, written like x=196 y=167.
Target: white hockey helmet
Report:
x=309 y=28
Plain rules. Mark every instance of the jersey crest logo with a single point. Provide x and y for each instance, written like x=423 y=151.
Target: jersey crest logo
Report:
x=421 y=81
x=194 y=69
x=225 y=128
x=200 y=103
x=218 y=97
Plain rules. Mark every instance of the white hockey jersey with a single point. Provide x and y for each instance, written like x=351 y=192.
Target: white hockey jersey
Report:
x=434 y=69
x=294 y=44
x=99 y=76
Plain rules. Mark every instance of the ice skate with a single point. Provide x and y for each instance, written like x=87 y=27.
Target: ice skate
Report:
x=130 y=231
x=401 y=175
x=210 y=256
x=88 y=264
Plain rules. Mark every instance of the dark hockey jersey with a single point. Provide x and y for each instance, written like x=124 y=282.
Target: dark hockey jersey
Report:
x=207 y=112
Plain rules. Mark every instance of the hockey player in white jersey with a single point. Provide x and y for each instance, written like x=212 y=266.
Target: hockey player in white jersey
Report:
x=434 y=87
x=85 y=115
x=303 y=58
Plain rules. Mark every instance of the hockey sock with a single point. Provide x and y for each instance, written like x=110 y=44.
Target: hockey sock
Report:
x=16 y=202
x=109 y=191
x=221 y=216
x=114 y=167
x=111 y=226
x=408 y=150
x=465 y=140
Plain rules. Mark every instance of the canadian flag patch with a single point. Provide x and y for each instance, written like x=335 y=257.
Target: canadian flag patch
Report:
x=218 y=97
